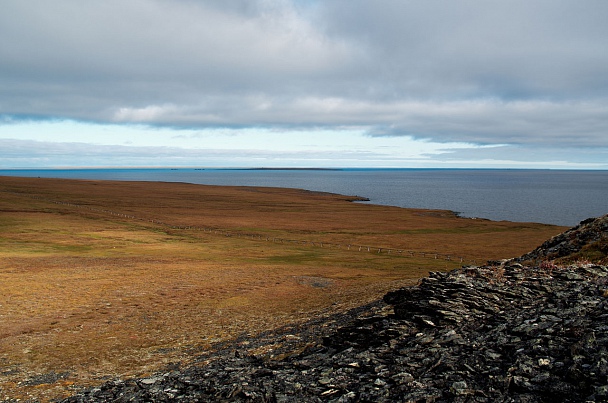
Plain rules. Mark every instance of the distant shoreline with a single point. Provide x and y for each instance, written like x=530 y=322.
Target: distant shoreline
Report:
x=545 y=196
x=277 y=169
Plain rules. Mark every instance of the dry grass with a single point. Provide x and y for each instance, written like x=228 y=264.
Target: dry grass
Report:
x=86 y=295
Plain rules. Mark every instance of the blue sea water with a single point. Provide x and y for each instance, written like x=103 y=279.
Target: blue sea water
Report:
x=562 y=197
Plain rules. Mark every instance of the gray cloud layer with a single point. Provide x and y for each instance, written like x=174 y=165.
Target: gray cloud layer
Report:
x=491 y=72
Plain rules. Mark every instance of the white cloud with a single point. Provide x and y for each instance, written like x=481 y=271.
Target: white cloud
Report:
x=100 y=145
x=138 y=145
x=483 y=121
x=149 y=114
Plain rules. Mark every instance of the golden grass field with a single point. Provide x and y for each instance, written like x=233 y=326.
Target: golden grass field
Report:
x=93 y=287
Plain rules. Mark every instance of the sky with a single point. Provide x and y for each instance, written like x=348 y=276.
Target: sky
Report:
x=296 y=83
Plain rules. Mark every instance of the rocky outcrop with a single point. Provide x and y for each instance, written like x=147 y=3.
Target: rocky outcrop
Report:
x=509 y=334
x=496 y=333
x=591 y=234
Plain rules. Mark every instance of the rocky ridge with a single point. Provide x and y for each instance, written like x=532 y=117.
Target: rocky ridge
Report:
x=590 y=235
x=503 y=332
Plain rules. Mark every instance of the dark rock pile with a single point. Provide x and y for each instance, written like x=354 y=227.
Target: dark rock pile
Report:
x=589 y=234
x=502 y=333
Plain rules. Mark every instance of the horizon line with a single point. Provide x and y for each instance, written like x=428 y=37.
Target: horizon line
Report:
x=302 y=168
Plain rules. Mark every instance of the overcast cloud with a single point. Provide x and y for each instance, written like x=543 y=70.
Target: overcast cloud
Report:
x=522 y=83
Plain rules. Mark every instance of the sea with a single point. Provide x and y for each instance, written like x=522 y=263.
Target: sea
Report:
x=560 y=197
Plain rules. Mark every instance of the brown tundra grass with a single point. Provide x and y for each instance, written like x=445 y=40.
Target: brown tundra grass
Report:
x=92 y=287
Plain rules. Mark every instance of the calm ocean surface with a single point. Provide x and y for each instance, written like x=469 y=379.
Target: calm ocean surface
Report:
x=559 y=197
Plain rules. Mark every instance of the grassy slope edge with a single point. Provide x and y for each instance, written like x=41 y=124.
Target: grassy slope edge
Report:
x=97 y=282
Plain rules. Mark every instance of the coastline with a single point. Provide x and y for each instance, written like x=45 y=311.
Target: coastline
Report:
x=544 y=196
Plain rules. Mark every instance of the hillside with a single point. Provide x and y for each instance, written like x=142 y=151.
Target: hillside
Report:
x=499 y=332
x=108 y=280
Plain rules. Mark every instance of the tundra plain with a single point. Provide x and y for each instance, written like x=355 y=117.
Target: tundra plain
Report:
x=103 y=279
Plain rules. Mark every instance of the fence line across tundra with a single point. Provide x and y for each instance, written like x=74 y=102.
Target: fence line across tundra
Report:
x=228 y=233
